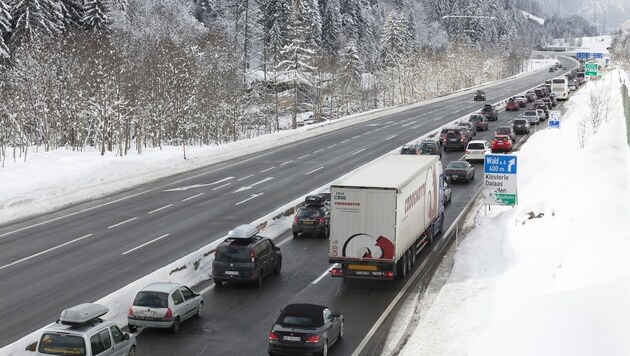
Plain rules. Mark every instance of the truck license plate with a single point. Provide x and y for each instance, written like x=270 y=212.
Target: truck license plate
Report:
x=363 y=273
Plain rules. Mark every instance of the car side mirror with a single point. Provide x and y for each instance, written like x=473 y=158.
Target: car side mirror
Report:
x=126 y=336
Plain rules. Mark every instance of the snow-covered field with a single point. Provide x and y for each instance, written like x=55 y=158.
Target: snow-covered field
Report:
x=554 y=285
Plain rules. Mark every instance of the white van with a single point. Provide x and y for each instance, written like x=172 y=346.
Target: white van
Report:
x=560 y=87
x=80 y=331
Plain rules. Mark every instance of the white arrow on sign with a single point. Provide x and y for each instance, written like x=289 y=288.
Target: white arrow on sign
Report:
x=180 y=189
x=251 y=186
x=510 y=164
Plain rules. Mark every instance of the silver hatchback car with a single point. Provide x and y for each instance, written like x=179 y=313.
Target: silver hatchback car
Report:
x=164 y=305
x=80 y=331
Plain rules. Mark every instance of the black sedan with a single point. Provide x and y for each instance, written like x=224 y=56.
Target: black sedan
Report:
x=460 y=171
x=314 y=218
x=305 y=329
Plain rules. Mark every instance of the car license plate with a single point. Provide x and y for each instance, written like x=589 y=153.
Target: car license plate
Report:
x=292 y=338
x=307 y=222
x=147 y=313
x=454 y=177
x=231 y=273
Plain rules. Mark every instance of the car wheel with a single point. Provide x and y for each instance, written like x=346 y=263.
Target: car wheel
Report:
x=132 y=328
x=295 y=235
x=199 y=314
x=132 y=351
x=218 y=282
x=278 y=268
x=325 y=349
x=259 y=280
x=176 y=326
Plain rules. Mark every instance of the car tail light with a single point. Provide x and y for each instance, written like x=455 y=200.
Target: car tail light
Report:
x=130 y=311
x=322 y=220
x=467 y=152
x=273 y=336
x=314 y=338
x=251 y=254
x=296 y=220
x=169 y=313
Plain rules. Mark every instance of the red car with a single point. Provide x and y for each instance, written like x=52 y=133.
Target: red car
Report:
x=512 y=105
x=501 y=143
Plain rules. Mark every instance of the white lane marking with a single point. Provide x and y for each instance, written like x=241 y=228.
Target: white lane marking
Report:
x=306 y=155
x=240 y=179
x=359 y=151
x=333 y=145
x=415 y=127
x=164 y=207
x=221 y=186
x=252 y=185
x=194 y=196
x=344 y=141
x=326 y=272
x=250 y=198
x=437 y=119
x=120 y=223
x=268 y=169
x=355 y=137
x=321 y=149
x=146 y=243
x=45 y=251
x=411 y=123
x=197 y=185
x=390 y=137
x=313 y=171
x=287 y=162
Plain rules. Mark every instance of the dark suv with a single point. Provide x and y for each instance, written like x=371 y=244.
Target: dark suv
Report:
x=312 y=218
x=430 y=147
x=245 y=257
x=455 y=139
x=480 y=95
x=489 y=112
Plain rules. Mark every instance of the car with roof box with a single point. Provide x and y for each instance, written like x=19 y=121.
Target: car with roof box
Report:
x=490 y=112
x=164 y=305
x=430 y=147
x=480 y=121
x=245 y=257
x=313 y=218
x=81 y=331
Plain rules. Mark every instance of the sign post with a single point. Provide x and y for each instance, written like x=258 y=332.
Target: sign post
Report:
x=554 y=119
x=499 y=180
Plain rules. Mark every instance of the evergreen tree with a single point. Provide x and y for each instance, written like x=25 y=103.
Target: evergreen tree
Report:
x=202 y=10
x=33 y=18
x=331 y=28
x=95 y=15
x=350 y=78
x=72 y=13
x=395 y=40
x=5 y=27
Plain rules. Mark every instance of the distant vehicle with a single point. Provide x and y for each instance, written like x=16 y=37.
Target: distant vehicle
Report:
x=480 y=95
x=560 y=87
x=430 y=147
x=313 y=218
x=460 y=171
x=501 y=143
x=541 y=92
x=477 y=150
x=81 y=331
x=324 y=195
x=470 y=128
x=548 y=85
x=455 y=139
x=553 y=99
x=532 y=116
x=512 y=105
x=410 y=149
x=520 y=126
x=448 y=192
x=548 y=102
x=443 y=133
x=480 y=121
x=506 y=130
x=164 y=305
x=572 y=87
x=305 y=329
x=490 y=112
x=531 y=96
x=521 y=100
x=245 y=257
x=542 y=113
x=552 y=69
x=381 y=220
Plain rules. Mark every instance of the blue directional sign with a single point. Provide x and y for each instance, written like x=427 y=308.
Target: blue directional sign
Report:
x=582 y=55
x=554 y=119
x=597 y=55
x=504 y=164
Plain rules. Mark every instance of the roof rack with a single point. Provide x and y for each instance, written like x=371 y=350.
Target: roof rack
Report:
x=313 y=200
x=82 y=314
x=244 y=231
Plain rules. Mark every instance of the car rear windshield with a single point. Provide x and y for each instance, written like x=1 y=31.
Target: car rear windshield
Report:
x=476 y=146
x=298 y=320
x=408 y=151
x=55 y=344
x=503 y=130
x=233 y=253
x=530 y=113
x=151 y=299
x=309 y=213
x=457 y=165
x=520 y=122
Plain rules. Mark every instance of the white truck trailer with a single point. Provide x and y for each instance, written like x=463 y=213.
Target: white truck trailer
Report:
x=383 y=214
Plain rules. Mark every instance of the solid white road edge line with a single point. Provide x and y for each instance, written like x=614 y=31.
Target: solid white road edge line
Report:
x=326 y=272
x=45 y=251
x=162 y=208
x=120 y=223
x=194 y=196
x=144 y=244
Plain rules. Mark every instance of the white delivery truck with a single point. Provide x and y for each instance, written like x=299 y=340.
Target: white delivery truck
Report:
x=383 y=214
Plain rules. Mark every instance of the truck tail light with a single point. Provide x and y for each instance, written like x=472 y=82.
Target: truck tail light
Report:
x=336 y=272
x=388 y=274
x=322 y=220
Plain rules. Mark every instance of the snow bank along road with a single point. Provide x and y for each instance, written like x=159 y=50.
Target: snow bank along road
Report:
x=105 y=245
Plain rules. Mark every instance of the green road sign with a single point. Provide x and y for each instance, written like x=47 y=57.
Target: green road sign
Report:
x=590 y=69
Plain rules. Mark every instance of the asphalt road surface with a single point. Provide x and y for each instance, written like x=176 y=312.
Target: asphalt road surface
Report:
x=85 y=252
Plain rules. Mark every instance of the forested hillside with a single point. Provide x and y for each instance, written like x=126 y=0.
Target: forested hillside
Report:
x=121 y=75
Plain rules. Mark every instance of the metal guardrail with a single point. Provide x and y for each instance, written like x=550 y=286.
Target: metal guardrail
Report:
x=626 y=109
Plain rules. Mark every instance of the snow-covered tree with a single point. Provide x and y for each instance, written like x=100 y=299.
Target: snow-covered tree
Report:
x=95 y=15
x=331 y=28
x=32 y=19
x=350 y=76
x=5 y=27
